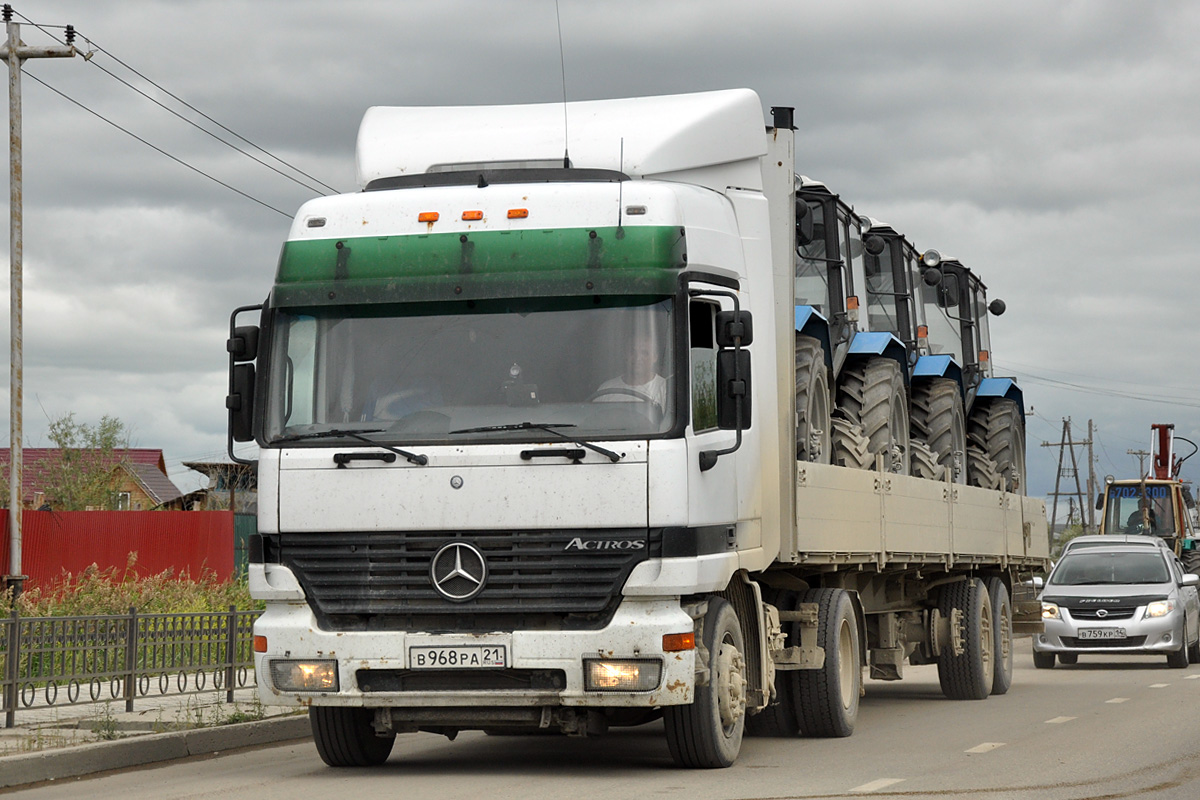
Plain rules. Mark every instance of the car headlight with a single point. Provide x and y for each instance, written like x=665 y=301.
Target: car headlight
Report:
x=1159 y=608
x=1050 y=611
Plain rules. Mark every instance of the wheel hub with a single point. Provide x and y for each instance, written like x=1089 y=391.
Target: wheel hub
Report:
x=731 y=685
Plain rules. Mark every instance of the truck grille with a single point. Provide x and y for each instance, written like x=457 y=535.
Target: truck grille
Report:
x=539 y=578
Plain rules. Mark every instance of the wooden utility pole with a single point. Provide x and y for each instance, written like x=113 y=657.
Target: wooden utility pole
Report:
x=15 y=52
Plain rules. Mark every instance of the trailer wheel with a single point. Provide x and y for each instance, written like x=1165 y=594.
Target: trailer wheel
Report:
x=871 y=393
x=345 y=737
x=779 y=718
x=1002 y=629
x=813 y=424
x=997 y=428
x=968 y=675
x=708 y=732
x=1043 y=660
x=938 y=418
x=827 y=698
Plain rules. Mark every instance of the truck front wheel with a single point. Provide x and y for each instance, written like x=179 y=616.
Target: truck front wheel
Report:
x=827 y=698
x=345 y=737
x=708 y=732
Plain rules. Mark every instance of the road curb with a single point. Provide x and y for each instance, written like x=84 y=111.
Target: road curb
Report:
x=70 y=762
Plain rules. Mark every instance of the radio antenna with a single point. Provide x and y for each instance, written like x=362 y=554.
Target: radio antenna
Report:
x=562 y=63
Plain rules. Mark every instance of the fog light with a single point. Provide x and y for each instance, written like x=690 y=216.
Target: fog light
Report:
x=304 y=676
x=621 y=676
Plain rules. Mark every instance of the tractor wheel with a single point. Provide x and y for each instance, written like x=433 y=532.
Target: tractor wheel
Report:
x=939 y=419
x=345 y=737
x=1191 y=561
x=996 y=427
x=968 y=675
x=923 y=462
x=813 y=425
x=871 y=393
x=850 y=447
x=707 y=733
x=981 y=470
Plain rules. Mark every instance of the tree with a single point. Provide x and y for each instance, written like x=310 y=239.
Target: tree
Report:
x=85 y=472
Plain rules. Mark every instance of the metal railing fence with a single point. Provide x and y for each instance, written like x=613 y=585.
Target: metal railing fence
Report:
x=52 y=661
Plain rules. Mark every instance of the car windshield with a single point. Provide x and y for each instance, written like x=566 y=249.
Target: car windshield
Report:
x=449 y=372
x=1107 y=568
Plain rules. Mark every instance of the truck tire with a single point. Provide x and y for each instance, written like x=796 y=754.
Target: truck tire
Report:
x=968 y=675
x=1002 y=630
x=1043 y=660
x=813 y=425
x=871 y=393
x=850 y=447
x=981 y=470
x=779 y=718
x=707 y=733
x=939 y=419
x=345 y=737
x=923 y=463
x=997 y=428
x=827 y=698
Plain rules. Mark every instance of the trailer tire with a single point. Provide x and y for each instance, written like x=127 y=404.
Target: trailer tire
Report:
x=938 y=418
x=1043 y=660
x=871 y=393
x=778 y=719
x=997 y=428
x=827 y=698
x=813 y=424
x=968 y=675
x=707 y=733
x=1002 y=629
x=345 y=737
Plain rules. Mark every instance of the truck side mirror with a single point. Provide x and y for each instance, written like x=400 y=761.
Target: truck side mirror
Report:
x=243 y=344
x=1099 y=500
x=733 y=385
x=240 y=402
x=804 y=223
x=732 y=326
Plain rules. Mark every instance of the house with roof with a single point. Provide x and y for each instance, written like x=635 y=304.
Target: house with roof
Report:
x=140 y=482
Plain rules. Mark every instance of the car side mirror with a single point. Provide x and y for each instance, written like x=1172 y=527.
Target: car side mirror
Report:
x=1190 y=580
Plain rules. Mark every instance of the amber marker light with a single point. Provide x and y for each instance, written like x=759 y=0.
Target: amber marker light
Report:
x=922 y=331
x=678 y=642
x=260 y=644
x=427 y=216
x=852 y=303
x=518 y=213
x=471 y=216
x=983 y=356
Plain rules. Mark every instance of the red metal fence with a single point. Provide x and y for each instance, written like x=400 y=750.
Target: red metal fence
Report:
x=56 y=542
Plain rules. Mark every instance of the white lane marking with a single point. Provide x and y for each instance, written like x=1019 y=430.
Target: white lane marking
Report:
x=1159 y=685
x=985 y=747
x=1192 y=677
x=1118 y=700
x=1059 y=720
x=882 y=783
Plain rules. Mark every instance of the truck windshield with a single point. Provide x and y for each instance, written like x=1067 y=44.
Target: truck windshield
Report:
x=603 y=366
x=1092 y=568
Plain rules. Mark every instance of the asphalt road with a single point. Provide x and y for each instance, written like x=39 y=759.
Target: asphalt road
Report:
x=1105 y=728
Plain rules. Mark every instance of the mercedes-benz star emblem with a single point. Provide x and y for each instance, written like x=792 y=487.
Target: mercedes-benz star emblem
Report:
x=458 y=571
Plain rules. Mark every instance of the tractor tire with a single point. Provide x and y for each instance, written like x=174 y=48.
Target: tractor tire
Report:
x=1191 y=561
x=850 y=447
x=778 y=719
x=345 y=737
x=996 y=427
x=707 y=733
x=827 y=698
x=1002 y=630
x=939 y=419
x=981 y=470
x=813 y=425
x=871 y=393
x=968 y=675
x=923 y=463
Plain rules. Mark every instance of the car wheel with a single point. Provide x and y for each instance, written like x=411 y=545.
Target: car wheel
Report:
x=1043 y=660
x=1193 y=649
x=1179 y=659
x=1068 y=658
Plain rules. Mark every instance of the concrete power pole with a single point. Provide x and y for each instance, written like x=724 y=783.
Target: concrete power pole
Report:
x=15 y=52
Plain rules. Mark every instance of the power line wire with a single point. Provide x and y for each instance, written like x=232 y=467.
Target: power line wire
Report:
x=200 y=128
x=176 y=159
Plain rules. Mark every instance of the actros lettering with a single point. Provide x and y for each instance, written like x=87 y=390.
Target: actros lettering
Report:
x=607 y=544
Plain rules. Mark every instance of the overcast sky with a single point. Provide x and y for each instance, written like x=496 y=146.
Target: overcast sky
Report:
x=1053 y=147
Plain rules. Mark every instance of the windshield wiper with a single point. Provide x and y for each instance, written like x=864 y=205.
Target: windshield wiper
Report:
x=548 y=427
x=356 y=433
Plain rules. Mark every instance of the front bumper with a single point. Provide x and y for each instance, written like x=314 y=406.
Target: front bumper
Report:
x=363 y=658
x=1156 y=635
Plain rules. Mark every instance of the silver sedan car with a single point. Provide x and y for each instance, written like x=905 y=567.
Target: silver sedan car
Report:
x=1121 y=599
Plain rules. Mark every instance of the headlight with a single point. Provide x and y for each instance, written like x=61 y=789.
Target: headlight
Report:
x=626 y=675
x=1050 y=611
x=1159 y=608
x=304 y=676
